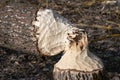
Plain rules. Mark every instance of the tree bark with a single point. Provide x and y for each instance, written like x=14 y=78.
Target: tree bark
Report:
x=78 y=75
x=16 y=29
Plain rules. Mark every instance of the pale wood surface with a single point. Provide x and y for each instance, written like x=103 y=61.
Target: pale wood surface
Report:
x=50 y=32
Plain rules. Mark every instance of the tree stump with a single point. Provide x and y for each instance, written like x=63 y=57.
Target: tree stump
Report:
x=54 y=34
x=78 y=63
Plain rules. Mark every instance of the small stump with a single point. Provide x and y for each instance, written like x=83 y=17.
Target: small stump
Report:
x=78 y=63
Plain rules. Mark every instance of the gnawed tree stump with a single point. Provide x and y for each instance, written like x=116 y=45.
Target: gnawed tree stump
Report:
x=55 y=34
x=78 y=63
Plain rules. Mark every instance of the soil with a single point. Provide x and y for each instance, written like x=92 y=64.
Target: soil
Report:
x=100 y=20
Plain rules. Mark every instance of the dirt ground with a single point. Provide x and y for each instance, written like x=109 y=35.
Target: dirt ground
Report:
x=100 y=20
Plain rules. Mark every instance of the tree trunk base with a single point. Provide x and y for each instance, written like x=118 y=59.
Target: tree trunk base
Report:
x=77 y=75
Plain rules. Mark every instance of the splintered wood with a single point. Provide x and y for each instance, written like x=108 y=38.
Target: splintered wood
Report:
x=55 y=34
x=50 y=32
